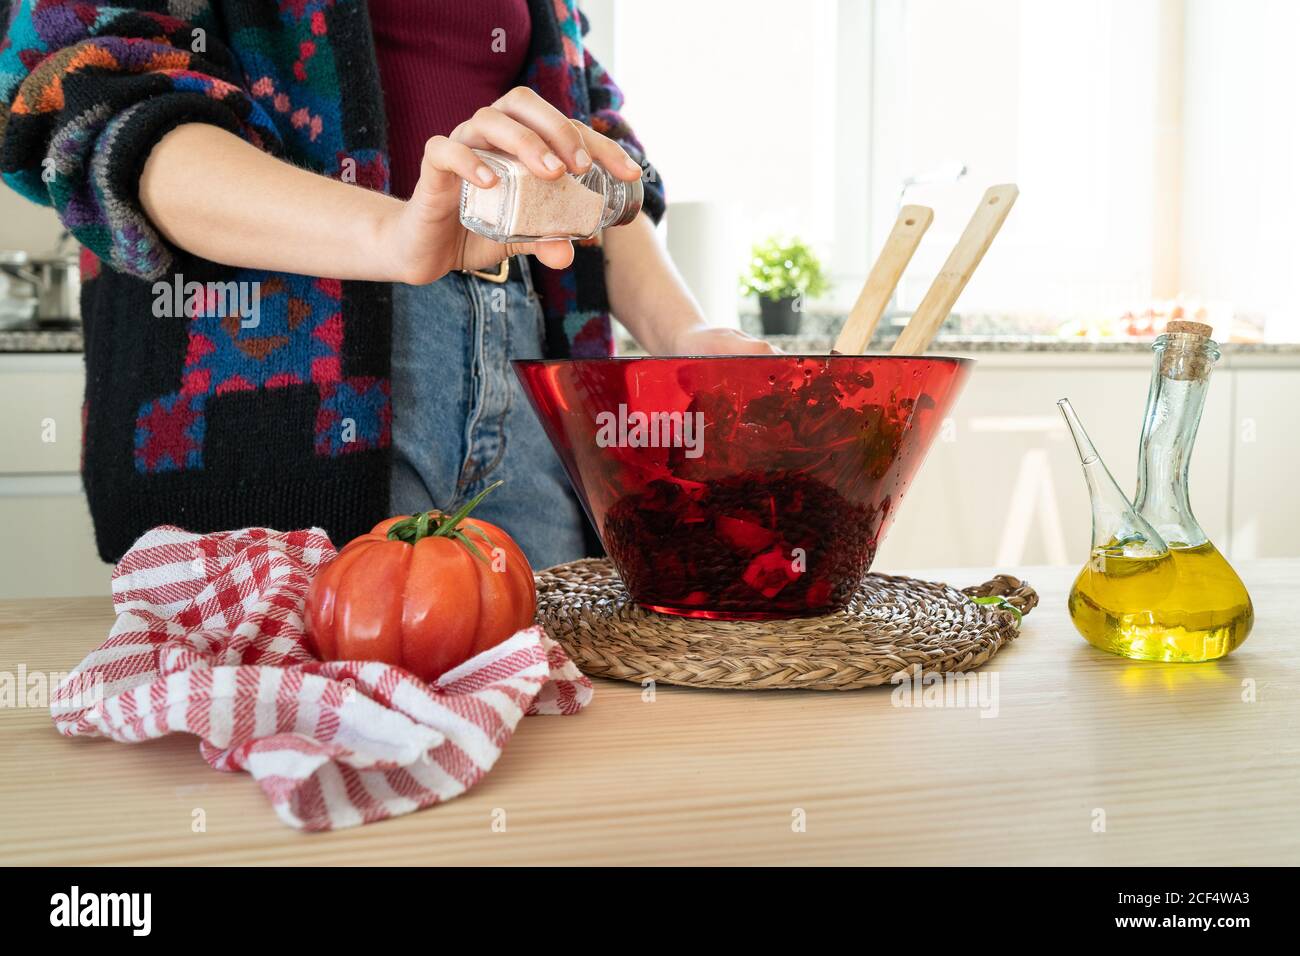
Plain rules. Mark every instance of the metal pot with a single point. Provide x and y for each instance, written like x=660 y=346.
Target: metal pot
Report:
x=52 y=281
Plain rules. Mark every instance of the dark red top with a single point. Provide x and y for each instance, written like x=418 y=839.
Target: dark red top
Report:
x=439 y=61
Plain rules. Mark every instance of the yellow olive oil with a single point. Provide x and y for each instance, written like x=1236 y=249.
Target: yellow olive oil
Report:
x=1185 y=605
x=1154 y=587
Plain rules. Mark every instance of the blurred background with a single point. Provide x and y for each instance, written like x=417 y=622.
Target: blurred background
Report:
x=1155 y=144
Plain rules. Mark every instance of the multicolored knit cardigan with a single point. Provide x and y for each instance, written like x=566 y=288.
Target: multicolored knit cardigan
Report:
x=192 y=419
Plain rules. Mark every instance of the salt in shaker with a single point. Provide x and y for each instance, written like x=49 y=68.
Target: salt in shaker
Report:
x=522 y=207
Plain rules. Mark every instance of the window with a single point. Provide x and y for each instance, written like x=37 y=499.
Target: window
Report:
x=738 y=105
x=1154 y=142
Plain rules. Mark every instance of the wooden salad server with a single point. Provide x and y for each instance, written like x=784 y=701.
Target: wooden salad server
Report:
x=879 y=288
x=962 y=262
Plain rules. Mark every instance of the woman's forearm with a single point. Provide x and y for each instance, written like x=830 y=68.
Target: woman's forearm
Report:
x=646 y=293
x=218 y=197
x=648 y=296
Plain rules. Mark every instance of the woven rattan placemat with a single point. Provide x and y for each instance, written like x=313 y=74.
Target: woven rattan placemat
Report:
x=893 y=624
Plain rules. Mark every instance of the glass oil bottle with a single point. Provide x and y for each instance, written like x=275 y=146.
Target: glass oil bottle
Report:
x=1155 y=588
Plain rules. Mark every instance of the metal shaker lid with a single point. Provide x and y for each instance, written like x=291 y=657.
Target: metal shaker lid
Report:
x=633 y=199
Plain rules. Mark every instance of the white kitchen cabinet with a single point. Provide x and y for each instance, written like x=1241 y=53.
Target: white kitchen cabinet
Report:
x=40 y=430
x=1002 y=485
x=50 y=547
x=1266 y=461
x=47 y=546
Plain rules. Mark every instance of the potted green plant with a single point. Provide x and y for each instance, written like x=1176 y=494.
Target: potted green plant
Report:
x=782 y=273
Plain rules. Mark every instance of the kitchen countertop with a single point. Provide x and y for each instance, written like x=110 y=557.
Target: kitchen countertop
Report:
x=983 y=334
x=1011 y=345
x=818 y=345
x=27 y=341
x=41 y=340
x=1184 y=770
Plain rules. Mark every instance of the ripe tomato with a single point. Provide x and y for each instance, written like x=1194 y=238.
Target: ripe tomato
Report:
x=425 y=592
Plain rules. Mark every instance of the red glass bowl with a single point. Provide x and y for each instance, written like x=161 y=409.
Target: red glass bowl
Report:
x=755 y=486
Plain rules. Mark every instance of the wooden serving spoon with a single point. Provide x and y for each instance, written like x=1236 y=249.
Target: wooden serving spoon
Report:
x=962 y=261
x=888 y=269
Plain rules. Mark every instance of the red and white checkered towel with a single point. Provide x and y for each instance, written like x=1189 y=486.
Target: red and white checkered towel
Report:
x=209 y=641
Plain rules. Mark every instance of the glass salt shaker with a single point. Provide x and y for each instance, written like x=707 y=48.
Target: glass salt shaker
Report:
x=522 y=207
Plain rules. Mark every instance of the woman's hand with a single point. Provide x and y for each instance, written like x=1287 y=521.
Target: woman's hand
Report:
x=711 y=340
x=424 y=235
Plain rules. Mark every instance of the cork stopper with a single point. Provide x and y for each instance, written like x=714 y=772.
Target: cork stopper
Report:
x=1189 y=328
x=1187 y=353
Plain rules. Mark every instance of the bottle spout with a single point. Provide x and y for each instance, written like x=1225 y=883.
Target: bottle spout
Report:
x=1117 y=528
x=1082 y=443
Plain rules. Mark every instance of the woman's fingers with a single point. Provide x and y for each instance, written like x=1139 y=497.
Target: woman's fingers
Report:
x=608 y=153
x=711 y=340
x=481 y=253
x=554 y=254
x=444 y=164
x=490 y=128
x=565 y=139
x=523 y=124
x=752 y=346
x=573 y=141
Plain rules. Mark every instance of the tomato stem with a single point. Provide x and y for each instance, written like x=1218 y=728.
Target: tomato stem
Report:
x=437 y=524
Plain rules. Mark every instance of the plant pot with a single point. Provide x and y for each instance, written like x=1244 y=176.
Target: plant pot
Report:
x=778 y=317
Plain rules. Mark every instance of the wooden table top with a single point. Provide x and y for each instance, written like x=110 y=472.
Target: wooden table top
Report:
x=1182 y=763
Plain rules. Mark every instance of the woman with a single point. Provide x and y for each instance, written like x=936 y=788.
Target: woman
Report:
x=285 y=321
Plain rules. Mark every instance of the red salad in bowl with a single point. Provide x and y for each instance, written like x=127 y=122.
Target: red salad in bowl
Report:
x=752 y=486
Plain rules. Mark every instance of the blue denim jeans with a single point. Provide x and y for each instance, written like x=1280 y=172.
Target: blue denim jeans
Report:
x=460 y=418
